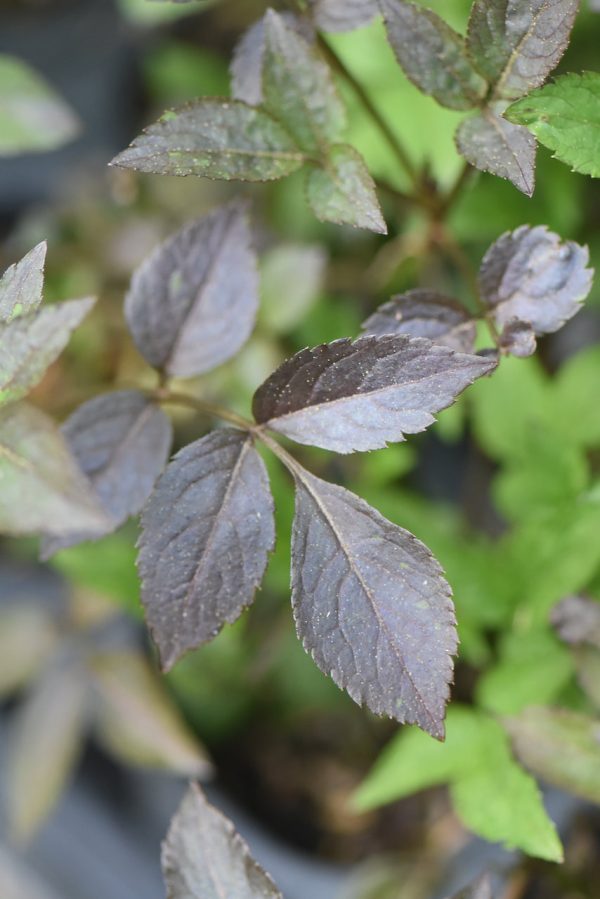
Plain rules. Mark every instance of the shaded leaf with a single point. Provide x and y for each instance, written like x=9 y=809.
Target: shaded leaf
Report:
x=576 y=619
x=27 y=637
x=193 y=302
x=425 y=313
x=515 y=44
x=371 y=605
x=204 y=857
x=432 y=55
x=480 y=889
x=560 y=746
x=135 y=719
x=248 y=57
x=342 y=15
x=565 y=117
x=206 y=534
x=342 y=191
x=298 y=87
x=292 y=276
x=33 y=118
x=21 y=285
x=29 y=344
x=530 y=275
x=518 y=338
x=45 y=739
x=492 y=144
x=348 y=396
x=121 y=441
x=42 y=489
x=221 y=139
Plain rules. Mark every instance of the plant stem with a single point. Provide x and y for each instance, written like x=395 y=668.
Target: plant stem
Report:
x=288 y=460
x=164 y=395
x=455 y=191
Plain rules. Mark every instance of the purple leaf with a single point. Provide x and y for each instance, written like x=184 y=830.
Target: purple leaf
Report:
x=193 y=302
x=342 y=15
x=206 y=533
x=518 y=338
x=347 y=396
x=21 y=285
x=342 y=191
x=425 y=313
x=576 y=620
x=371 y=605
x=492 y=144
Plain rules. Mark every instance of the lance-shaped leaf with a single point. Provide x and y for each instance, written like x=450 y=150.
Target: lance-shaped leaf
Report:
x=342 y=15
x=371 y=605
x=204 y=857
x=560 y=746
x=432 y=55
x=347 y=396
x=135 y=719
x=193 y=302
x=248 y=57
x=480 y=889
x=42 y=488
x=342 y=191
x=45 y=740
x=21 y=285
x=206 y=533
x=425 y=313
x=122 y=442
x=565 y=117
x=576 y=619
x=298 y=87
x=515 y=44
x=492 y=144
x=518 y=338
x=30 y=343
x=222 y=139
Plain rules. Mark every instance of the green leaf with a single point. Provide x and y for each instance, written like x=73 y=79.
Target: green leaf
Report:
x=22 y=284
x=27 y=638
x=576 y=398
x=432 y=55
x=298 y=88
x=492 y=144
x=29 y=344
x=33 y=118
x=344 y=192
x=41 y=487
x=560 y=746
x=222 y=139
x=565 y=117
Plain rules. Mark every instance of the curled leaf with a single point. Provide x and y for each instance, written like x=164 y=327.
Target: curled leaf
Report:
x=342 y=191
x=347 y=396
x=492 y=144
x=518 y=338
x=425 y=313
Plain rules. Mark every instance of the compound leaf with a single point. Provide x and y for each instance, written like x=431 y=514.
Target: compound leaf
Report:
x=21 y=285
x=530 y=275
x=492 y=144
x=206 y=533
x=565 y=117
x=204 y=857
x=222 y=139
x=342 y=191
x=515 y=44
x=193 y=302
x=298 y=88
x=347 y=396
x=121 y=441
x=30 y=343
x=432 y=55
x=342 y=15
x=371 y=605
x=425 y=313
x=43 y=490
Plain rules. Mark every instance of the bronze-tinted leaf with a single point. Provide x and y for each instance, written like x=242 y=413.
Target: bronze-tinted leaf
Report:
x=298 y=88
x=30 y=343
x=425 y=313
x=342 y=191
x=122 y=442
x=576 y=619
x=515 y=44
x=204 y=857
x=492 y=144
x=193 y=302
x=432 y=55
x=531 y=275
x=206 y=533
x=222 y=139
x=518 y=338
x=43 y=490
x=371 y=605
x=342 y=15
x=347 y=396
x=21 y=285
x=560 y=746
